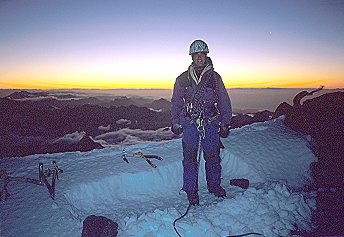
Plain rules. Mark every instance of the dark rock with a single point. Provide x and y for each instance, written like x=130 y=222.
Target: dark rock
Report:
x=285 y=109
x=85 y=144
x=323 y=118
x=242 y=183
x=240 y=120
x=320 y=116
x=99 y=226
x=282 y=109
x=245 y=119
x=160 y=104
x=262 y=116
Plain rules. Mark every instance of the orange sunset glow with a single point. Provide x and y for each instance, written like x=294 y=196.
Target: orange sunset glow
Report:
x=252 y=44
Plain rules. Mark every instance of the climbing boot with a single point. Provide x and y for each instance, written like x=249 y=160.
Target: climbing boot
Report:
x=218 y=191
x=193 y=198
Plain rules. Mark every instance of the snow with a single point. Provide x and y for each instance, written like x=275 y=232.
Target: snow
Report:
x=145 y=201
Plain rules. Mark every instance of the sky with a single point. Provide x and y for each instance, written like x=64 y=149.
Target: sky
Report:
x=144 y=44
x=145 y=201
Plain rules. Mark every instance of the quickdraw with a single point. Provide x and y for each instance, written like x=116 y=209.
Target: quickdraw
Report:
x=200 y=125
x=41 y=181
x=141 y=155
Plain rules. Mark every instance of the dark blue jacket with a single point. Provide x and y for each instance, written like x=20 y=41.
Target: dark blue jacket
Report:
x=212 y=95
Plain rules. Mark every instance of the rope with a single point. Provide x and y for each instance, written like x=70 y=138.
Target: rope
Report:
x=4 y=193
x=251 y=233
x=201 y=131
x=179 y=218
x=43 y=174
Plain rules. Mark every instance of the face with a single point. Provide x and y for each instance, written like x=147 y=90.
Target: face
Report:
x=199 y=59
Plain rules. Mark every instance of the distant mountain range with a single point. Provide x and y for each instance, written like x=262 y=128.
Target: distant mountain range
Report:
x=59 y=100
x=31 y=122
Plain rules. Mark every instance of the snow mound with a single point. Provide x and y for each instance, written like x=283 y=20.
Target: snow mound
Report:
x=273 y=206
x=145 y=201
x=272 y=152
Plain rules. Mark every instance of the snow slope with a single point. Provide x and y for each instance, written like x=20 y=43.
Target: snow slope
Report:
x=145 y=201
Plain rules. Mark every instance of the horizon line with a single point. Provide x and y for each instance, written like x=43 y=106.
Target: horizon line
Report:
x=155 y=88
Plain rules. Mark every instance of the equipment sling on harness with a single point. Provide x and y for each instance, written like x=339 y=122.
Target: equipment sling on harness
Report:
x=193 y=101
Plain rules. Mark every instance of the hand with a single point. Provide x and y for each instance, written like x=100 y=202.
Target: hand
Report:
x=177 y=129
x=224 y=131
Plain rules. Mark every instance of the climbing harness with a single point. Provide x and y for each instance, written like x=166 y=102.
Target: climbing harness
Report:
x=141 y=155
x=201 y=131
x=41 y=181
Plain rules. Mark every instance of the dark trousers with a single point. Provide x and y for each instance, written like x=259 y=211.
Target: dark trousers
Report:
x=211 y=152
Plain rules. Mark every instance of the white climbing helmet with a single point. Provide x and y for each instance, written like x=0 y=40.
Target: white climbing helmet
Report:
x=198 y=46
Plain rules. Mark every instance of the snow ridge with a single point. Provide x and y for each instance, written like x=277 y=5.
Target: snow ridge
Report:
x=145 y=201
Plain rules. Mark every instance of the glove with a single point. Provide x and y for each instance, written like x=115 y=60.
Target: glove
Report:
x=224 y=131
x=177 y=129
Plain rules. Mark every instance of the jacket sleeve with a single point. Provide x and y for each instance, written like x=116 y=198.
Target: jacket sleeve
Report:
x=177 y=102
x=224 y=104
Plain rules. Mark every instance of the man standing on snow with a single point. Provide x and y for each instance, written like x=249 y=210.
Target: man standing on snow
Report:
x=201 y=109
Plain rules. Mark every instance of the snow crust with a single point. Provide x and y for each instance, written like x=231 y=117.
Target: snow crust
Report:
x=145 y=201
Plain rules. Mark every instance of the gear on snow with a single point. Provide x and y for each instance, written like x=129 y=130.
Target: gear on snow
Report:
x=141 y=155
x=42 y=174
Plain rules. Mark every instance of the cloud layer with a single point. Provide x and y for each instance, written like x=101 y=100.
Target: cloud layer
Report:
x=128 y=136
